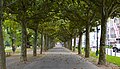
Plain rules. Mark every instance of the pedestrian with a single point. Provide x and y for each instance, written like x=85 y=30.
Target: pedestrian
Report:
x=13 y=48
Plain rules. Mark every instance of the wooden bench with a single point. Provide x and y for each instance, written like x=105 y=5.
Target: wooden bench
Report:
x=8 y=53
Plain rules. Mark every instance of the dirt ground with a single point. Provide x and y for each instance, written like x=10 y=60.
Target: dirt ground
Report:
x=56 y=58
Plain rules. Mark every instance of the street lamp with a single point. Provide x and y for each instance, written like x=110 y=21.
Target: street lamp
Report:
x=97 y=41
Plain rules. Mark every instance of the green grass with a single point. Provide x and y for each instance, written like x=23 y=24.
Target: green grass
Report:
x=17 y=51
x=93 y=54
x=111 y=59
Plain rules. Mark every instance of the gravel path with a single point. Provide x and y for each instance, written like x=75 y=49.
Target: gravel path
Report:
x=56 y=58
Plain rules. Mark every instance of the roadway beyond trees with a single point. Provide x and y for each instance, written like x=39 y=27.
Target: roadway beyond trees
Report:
x=56 y=58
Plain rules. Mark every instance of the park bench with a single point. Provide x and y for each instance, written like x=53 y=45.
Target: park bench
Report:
x=8 y=53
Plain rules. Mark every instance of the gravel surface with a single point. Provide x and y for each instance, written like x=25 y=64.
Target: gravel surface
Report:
x=56 y=58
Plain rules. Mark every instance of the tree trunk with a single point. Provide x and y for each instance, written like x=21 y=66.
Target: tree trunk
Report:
x=80 y=43
x=47 y=41
x=74 y=43
x=45 y=45
x=2 y=49
x=65 y=44
x=12 y=40
x=51 y=42
x=70 y=43
x=87 y=48
x=35 y=42
x=41 y=43
x=24 y=42
x=12 y=36
x=102 y=55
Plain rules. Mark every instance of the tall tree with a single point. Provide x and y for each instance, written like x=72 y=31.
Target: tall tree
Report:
x=80 y=43
x=35 y=40
x=2 y=49
x=41 y=49
x=42 y=39
x=74 y=41
x=80 y=11
x=20 y=10
x=106 y=9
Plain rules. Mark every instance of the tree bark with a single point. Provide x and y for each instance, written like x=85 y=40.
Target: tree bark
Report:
x=80 y=43
x=48 y=42
x=74 y=43
x=65 y=44
x=24 y=42
x=35 y=42
x=41 y=43
x=2 y=49
x=12 y=40
x=70 y=44
x=87 y=48
x=53 y=44
x=12 y=37
x=45 y=45
x=102 y=54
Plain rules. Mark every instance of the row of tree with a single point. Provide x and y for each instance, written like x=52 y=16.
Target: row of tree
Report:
x=60 y=20
x=86 y=14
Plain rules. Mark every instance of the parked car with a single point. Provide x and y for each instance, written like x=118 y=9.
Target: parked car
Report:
x=116 y=48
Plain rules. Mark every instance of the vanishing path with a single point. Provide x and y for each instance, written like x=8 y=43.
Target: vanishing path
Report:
x=56 y=58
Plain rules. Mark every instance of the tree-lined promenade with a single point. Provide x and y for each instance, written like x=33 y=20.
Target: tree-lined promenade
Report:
x=42 y=23
x=55 y=58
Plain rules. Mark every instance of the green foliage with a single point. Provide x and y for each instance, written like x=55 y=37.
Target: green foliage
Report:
x=12 y=31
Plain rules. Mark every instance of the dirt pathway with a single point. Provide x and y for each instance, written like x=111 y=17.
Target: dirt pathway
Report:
x=56 y=58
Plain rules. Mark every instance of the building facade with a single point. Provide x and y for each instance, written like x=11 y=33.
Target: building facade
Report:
x=113 y=31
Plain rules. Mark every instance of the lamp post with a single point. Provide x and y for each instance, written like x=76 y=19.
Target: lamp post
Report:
x=97 y=41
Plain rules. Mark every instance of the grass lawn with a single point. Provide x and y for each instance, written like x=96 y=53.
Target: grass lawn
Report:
x=112 y=59
x=17 y=51
x=9 y=49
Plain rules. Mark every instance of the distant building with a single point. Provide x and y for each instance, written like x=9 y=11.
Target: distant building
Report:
x=112 y=34
x=113 y=31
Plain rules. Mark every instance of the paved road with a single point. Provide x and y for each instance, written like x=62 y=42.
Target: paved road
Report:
x=58 y=58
